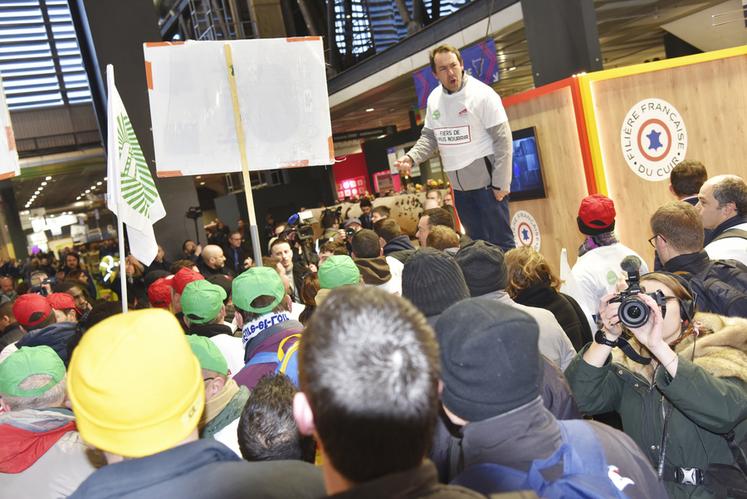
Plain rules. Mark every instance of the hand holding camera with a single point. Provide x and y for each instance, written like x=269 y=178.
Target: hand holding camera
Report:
x=650 y=333
x=608 y=313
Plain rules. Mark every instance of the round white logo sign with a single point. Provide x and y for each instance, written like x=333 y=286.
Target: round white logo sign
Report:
x=525 y=230
x=653 y=139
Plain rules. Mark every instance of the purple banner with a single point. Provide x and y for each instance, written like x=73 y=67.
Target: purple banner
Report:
x=479 y=62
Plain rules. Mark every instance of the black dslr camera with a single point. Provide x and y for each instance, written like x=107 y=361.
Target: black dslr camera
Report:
x=633 y=311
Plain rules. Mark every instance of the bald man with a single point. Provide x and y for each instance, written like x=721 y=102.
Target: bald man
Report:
x=722 y=204
x=213 y=261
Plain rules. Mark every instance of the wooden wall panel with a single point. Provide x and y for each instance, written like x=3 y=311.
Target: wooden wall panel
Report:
x=712 y=99
x=563 y=171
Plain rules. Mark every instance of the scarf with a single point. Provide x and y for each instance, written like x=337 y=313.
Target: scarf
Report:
x=593 y=242
x=215 y=405
x=253 y=328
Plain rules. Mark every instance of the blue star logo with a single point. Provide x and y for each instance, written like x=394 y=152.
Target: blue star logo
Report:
x=653 y=140
x=525 y=234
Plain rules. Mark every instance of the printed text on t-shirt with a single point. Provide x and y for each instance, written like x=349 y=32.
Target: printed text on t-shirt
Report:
x=451 y=136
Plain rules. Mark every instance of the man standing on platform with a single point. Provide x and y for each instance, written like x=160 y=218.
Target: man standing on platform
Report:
x=465 y=121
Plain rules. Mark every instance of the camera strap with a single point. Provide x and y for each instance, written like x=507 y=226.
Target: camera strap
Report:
x=623 y=345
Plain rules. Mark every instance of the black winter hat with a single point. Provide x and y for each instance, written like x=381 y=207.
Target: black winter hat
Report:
x=483 y=266
x=490 y=361
x=432 y=281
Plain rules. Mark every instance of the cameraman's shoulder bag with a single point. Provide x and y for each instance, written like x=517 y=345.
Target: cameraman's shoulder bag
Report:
x=285 y=359
x=585 y=470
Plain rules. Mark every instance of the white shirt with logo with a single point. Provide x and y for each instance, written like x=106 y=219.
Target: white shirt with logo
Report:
x=460 y=122
x=595 y=274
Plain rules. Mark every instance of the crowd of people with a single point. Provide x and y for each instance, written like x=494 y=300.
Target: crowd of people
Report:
x=385 y=367
x=365 y=364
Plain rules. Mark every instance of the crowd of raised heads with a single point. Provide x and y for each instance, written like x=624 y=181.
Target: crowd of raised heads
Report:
x=370 y=364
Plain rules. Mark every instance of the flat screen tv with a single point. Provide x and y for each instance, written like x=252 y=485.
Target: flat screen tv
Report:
x=526 y=180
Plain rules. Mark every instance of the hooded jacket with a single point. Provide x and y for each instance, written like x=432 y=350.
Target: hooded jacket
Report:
x=56 y=336
x=708 y=398
x=530 y=432
x=556 y=398
x=201 y=469
x=384 y=272
x=41 y=454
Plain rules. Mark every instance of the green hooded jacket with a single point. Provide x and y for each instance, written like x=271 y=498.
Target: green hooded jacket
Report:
x=708 y=398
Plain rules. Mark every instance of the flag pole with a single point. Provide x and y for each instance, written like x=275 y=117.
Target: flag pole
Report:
x=122 y=263
x=111 y=149
x=244 y=161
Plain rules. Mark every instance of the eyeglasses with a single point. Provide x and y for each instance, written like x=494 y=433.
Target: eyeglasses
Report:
x=653 y=238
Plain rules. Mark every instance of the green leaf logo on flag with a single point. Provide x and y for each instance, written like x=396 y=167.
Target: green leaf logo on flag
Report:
x=136 y=183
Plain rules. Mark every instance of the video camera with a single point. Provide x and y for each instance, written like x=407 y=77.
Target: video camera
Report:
x=44 y=287
x=299 y=226
x=633 y=311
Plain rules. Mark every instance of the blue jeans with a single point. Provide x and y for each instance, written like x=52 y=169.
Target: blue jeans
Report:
x=484 y=217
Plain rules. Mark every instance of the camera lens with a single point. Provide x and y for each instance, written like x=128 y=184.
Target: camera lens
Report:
x=633 y=312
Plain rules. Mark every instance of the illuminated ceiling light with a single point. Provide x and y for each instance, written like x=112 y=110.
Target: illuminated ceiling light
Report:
x=202 y=183
x=48 y=178
x=88 y=190
x=369 y=110
x=99 y=183
x=512 y=68
x=106 y=178
x=198 y=177
x=44 y=183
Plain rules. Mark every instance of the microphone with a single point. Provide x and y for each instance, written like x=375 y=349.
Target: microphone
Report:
x=631 y=264
x=294 y=219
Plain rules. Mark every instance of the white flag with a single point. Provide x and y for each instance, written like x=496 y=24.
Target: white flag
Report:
x=131 y=191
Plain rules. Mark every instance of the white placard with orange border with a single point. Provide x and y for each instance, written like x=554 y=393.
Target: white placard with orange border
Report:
x=9 y=166
x=283 y=103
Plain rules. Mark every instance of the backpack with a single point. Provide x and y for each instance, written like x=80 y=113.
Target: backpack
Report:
x=585 y=470
x=285 y=360
x=727 y=234
x=721 y=288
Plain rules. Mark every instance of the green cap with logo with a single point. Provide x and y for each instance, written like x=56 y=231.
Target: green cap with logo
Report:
x=208 y=354
x=338 y=270
x=256 y=282
x=30 y=361
x=201 y=301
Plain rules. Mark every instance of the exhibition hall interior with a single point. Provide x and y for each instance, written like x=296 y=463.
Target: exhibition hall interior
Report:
x=373 y=248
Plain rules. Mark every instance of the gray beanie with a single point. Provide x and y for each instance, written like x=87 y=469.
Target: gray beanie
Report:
x=490 y=361
x=483 y=266
x=432 y=281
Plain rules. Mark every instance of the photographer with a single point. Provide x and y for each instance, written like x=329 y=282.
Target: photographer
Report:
x=679 y=383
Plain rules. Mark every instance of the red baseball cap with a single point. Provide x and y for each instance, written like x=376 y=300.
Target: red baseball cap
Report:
x=184 y=277
x=61 y=301
x=596 y=215
x=159 y=293
x=31 y=309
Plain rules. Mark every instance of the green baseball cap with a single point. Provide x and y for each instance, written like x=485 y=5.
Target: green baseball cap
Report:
x=208 y=354
x=201 y=301
x=30 y=361
x=256 y=282
x=338 y=270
